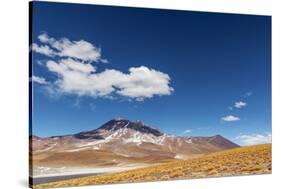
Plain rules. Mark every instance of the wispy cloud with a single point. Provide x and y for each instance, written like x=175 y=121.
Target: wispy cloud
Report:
x=230 y=107
x=247 y=94
x=39 y=80
x=253 y=139
x=230 y=118
x=77 y=103
x=240 y=104
x=187 y=131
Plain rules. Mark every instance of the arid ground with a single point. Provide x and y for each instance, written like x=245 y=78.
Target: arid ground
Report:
x=239 y=161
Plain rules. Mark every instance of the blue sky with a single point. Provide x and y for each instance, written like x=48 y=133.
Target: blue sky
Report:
x=179 y=71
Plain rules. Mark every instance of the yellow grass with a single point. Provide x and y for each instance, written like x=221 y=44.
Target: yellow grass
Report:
x=238 y=161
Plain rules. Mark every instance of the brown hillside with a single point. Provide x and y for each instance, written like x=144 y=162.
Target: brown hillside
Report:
x=238 y=161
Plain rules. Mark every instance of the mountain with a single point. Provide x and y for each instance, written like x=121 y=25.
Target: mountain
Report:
x=121 y=141
x=117 y=125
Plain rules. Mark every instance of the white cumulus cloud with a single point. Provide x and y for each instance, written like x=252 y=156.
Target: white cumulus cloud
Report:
x=43 y=49
x=72 y=63
x=230 y=118
x=254 y=139
x=64 y=47
x=240 y=104
x=75 y=77
x=39 y=80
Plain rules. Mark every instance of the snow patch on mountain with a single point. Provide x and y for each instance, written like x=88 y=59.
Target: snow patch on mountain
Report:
x=189 y=141
x=179 y=156
x=139 y=138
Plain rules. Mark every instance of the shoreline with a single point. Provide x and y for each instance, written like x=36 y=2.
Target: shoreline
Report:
x=49 y=172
